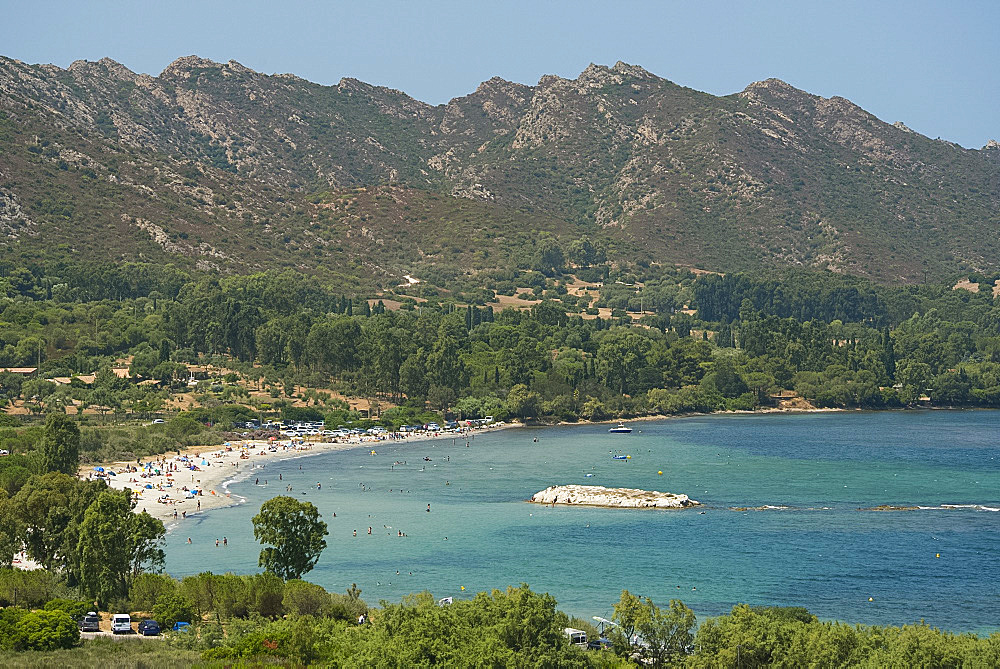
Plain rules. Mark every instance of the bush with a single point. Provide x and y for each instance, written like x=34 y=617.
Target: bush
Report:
x=145 y=590
x=9 y=618
x=173 y=607
x=73 y=607
x=46 y=630
x=28 y=589
x=348 y=606
x=305 y=599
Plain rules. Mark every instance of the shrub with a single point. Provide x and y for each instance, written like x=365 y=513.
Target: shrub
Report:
x=145 y=590
x=172 y=607
x=29 y=589
x=347 y=607
x=73 y=607
x=46 y=630
x=304 y=598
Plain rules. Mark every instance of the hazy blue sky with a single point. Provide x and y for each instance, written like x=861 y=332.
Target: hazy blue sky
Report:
x=933 y=65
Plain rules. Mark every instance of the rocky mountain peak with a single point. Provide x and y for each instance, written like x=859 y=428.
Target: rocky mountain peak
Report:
x=634 y=71
x=992 y=145
x=102 y=68
x=773 y=86
x=181 y=68
x=500 y=85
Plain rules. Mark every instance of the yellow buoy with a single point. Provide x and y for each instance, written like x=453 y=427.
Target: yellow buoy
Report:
x=463 y=587
x=660 y=473
x=870 y=599
x=628 y=457
x=937 y=555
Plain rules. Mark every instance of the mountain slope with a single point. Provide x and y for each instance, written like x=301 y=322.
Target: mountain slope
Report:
x=216 y=165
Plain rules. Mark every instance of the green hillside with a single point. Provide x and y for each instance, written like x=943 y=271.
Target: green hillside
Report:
x=222 y=168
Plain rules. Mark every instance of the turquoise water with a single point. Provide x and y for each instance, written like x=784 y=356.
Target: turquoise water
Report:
x=821 y=552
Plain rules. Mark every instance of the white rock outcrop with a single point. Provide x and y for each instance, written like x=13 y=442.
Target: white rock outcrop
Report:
x=624 y=498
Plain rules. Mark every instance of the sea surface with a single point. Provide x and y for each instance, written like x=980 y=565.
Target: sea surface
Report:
x=816 y=548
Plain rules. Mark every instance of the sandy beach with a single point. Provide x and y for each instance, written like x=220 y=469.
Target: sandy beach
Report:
x=173 y=486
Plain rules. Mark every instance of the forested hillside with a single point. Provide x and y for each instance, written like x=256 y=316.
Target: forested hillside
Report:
x=283 y=340
x=218 y=167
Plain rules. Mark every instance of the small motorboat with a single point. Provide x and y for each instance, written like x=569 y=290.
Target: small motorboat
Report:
x=621 y=428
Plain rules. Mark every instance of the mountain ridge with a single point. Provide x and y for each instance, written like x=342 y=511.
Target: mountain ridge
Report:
x=769 y=176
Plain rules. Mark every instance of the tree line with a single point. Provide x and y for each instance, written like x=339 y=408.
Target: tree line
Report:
x=712 y=343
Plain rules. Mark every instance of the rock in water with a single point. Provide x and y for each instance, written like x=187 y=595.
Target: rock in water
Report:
x=624 y=498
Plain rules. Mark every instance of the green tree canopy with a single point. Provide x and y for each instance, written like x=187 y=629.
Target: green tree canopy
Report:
x=296 y=534
x=61 y=444
x=115 y=544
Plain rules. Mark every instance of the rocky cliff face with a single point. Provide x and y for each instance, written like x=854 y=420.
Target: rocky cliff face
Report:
x=770 y=176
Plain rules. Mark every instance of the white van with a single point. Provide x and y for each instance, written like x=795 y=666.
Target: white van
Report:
x=576 y=637
x=121 y=623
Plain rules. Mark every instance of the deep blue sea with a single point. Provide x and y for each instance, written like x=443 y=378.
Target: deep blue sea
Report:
x=816 y=550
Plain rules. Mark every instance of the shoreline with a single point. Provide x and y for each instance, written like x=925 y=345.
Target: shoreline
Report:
x=223 y=462
x=694 y=414
x=760 y=412
x=196 y=480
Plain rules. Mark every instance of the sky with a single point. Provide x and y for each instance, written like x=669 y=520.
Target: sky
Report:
x=935 y=66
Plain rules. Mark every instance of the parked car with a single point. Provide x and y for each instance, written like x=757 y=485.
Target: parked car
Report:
x=149 y=628
x=90 y=622
x=121 y=623
x=181 y=627
x=599 y=644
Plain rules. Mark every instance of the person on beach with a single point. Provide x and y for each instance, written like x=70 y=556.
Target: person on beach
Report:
x=355 y=533
x=189 y=539
x=225 y=541
x=216 y=543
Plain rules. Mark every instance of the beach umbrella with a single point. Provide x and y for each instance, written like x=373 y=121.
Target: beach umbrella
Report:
x=98 y=469
x=111 y=474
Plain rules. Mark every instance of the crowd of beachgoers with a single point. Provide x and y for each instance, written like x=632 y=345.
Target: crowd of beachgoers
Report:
x=171 y=487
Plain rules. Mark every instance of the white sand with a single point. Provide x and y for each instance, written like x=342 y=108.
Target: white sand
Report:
x=196 y=481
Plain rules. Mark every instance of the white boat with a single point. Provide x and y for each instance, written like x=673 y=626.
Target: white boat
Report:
x=621 y=428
